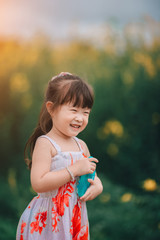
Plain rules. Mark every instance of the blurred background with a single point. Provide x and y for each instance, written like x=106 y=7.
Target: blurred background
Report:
x=115 y=46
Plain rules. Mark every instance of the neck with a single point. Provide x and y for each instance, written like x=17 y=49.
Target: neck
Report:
x=66 y=143
x=53 y=133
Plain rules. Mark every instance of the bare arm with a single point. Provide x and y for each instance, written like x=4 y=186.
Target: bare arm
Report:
x=42 y=179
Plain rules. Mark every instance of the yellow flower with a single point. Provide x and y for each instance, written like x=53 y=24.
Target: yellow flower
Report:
x=150 y=185
x=113 y=127
x=126 y=197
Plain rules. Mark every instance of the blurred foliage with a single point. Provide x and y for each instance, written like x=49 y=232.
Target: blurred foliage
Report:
x=123 y=132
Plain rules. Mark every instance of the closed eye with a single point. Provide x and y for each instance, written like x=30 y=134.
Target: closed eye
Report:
x=74 y=110
x=87 y=113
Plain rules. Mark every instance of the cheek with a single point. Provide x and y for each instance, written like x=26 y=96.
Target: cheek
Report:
x=86 y=121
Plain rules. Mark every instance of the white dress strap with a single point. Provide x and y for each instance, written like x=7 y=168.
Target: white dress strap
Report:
x=57 y=147
x=79 y=144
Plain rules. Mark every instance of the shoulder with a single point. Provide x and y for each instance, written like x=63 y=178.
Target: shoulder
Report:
x=42 y=141
x=84 y=147
x=44 y=145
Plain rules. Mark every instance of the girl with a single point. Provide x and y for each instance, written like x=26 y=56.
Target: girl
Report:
x=58 y=159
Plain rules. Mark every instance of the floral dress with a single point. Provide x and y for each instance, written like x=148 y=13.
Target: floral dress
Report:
x=58 y=214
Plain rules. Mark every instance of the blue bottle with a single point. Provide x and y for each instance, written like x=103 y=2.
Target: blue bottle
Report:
x=83 y=183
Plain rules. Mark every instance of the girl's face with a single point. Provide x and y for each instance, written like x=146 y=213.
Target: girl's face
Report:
x=69 y=121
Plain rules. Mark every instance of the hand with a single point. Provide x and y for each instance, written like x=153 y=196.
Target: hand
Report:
x=84 y=166
x=93 y=191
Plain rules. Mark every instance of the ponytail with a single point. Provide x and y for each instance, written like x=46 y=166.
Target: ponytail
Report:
x=44 y=126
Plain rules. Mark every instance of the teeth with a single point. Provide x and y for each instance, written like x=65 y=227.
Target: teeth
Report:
x=75 y=126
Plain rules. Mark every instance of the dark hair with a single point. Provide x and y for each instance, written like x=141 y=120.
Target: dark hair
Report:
x=62 y=89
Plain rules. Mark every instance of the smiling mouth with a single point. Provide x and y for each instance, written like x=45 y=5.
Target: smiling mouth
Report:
x=75 y=126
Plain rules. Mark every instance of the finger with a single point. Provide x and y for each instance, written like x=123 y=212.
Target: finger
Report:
x=93 y=160
x=91 y=181
x=88 y=197
x=91 y=171
x=93 y=165
x=85 y=195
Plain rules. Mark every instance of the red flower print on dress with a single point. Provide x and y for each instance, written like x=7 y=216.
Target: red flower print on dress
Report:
x=60 y=201
x=22 y=229
x=83 y=234
x=76 y=220
x=78 y=232
x=39 y=224
x=55 y=219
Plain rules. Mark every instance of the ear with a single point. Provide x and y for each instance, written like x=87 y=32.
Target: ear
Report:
x=49 y=106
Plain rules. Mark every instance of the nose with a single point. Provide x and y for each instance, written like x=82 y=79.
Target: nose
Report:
x=79 y=117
